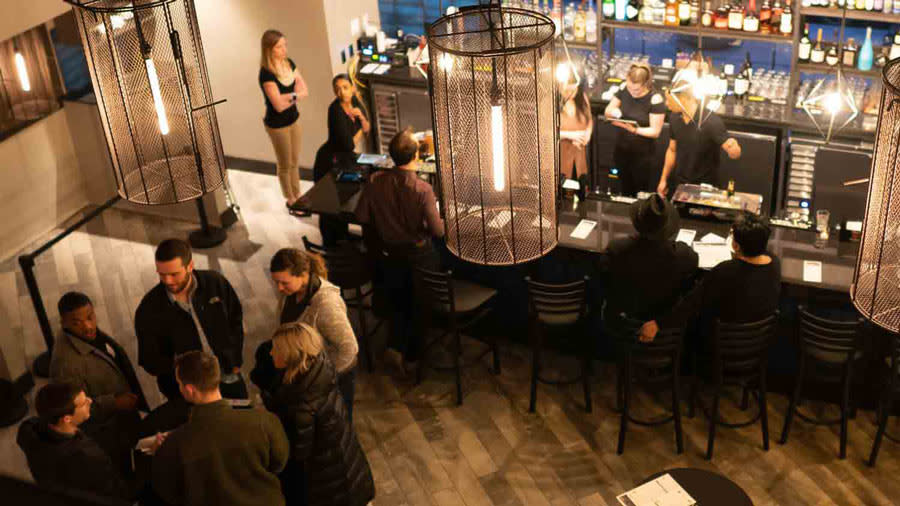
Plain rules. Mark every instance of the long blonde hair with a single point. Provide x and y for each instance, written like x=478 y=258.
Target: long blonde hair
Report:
x=298 y=344
x=267 y=61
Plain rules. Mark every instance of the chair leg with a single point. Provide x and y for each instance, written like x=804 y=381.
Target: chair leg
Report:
x=457 y=367
x=792 y=406
x=845 y=415
x=676 y=413
x=764 y=412
x=623 y=417
x=884 y=410
x=586 y=380
x=713 y=419
x=620 y=385
x=535 y=369
x=695 y=379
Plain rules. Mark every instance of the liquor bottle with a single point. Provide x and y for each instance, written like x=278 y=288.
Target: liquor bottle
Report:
x=730 y=188
x=864 y=60
x=632 y=13
x=695 y=12
x=879 y=5
x=671 y=12
x=896 y=7
x=684 y=13
x=578 y=27
x=804 y=48
x=860 y=5
x=831 y=56
x=888 y=6
x=777 y=11
x=645 y=14
x=870 y=5
x=786 y=23
x=895 y=47
x=621 y=6
x=556 y=15
x=609 y=9
x=721 y=19
x=848 y=58
x=817 y=55
x=736 y=16
x=590 y=23
x=708 y=15
x=742 y=81
x=751 y=22
x=536 y=5
x=765 y=13
x=569 y=23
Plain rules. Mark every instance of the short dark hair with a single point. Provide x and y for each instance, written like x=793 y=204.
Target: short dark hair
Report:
x=340 y=77
x=403 y=147
x=198 y=368
x=751 y=233
x=170 y=249
x=56 y=400
x=72 y=301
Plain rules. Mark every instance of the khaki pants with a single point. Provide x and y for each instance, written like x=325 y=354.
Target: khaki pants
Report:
x=286 y=141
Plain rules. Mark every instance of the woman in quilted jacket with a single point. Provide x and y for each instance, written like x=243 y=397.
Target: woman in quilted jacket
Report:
x=327 y=466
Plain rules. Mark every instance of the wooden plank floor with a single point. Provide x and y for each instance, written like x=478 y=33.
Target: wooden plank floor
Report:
x=423 y=449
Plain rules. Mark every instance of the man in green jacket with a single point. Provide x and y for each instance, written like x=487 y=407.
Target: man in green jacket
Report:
x=221 y=456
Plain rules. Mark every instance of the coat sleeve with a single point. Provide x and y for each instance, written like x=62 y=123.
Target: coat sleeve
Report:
x=235 y=325
x=97 y=474
x=333 y=324
x=279 y=448
x=300 y=424
x=166 y=472
x=65 y=369
x=150 y=355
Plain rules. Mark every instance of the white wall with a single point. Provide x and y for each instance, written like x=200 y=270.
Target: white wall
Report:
x=20 y=15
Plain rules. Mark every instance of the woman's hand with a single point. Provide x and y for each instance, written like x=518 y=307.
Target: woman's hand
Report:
x=648 y=331
x=663 y=188
x=613 y=112
x=628 y=127
x=356 y=112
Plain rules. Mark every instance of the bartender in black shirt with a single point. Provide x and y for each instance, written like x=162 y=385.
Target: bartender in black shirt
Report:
x=693 y=155
x=637 y=101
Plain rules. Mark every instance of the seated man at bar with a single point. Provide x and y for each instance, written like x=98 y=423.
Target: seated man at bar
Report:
x=61 y=456
x=190 y=309
x=695 y=146
x=648 y=272
x=743 y=289
x=85 y=356
x=401 y=210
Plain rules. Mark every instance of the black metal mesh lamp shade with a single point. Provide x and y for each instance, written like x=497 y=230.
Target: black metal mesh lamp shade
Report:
x=876 y=286
x=493 y=92
x=152 y=87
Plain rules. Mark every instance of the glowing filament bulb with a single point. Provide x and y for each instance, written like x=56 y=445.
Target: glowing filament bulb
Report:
x=497 y=144
x=563 y=72
x=23 y=72
x=446 y=62
x=833 y=102
x=157 y=96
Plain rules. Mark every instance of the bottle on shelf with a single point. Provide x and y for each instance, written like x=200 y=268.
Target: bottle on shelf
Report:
x=859 y=5
x=535 y=5
x=695 y=12
x=765 y=18
x=671 y=12
x=721 y=19
x=848 y=57
x=866 y=55
x=608 y=7
x=578 y=25
x=831 y=56
x=895 y=46
x=621 y=6
x=632 y=13
x=736 y=16
x=645 y=13
x=590 y=23
x=708 y=16
x=556 y=15
x=878 y=5
x=569 y=23
x=751 y=22
x=817 y=55
x=742 y=80
x=684 y=13
x=804 y=47
x=895 y=9
x=777 y=11
x=888 y=6
x=870 y=5
x=786 y=19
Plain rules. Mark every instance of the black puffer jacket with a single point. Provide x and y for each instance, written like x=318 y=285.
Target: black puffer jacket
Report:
x=324 y=448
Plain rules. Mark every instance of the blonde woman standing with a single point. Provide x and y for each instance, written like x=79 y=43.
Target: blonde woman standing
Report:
x=282 y=87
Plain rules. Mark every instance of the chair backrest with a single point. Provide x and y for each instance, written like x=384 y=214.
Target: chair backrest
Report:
x=829 y=336
x=625 y=329
x=743 y=347
x=436 y=287
x=347 y=266
x=557 y=302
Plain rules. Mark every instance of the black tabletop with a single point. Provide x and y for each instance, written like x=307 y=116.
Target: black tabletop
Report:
x=706 y=487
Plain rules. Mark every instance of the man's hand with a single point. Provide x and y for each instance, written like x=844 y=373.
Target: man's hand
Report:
x=157 y=442
x=663 y=188
x=126 y=402
x=648 y=331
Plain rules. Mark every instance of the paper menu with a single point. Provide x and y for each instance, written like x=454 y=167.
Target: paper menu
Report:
x=711 y=255
x=712 y=238
x=571 y=184
x=583 y=229
x=686 y=236
x=812 y=271
x=663 y=491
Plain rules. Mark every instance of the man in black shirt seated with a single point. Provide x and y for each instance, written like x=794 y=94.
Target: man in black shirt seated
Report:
x=62 y=457
x=743 y=289
x=697 y=136
x=647 y=272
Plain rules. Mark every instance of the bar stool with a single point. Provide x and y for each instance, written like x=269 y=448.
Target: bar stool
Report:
x=833 y=346
x=891 y=390
x=349 y=270
x=651 y=363
x=558 y=306
x=461 y=304
x=740 y=357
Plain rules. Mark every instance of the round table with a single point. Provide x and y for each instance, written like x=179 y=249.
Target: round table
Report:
x=706 y=487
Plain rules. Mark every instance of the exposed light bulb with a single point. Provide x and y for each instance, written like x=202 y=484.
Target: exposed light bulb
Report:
x=157 y=96
x=116 y=20
x=833 y=102
x=23 y=72
x=497 y=143
x=445 y=62
x=563 y=72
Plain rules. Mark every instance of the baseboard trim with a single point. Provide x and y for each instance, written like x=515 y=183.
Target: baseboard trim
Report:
x=261 y=167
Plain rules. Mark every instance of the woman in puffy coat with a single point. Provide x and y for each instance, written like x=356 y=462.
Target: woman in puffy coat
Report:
x=327 y=466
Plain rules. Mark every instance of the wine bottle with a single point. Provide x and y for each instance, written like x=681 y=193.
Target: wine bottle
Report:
x=848 y=58
x=671 y=12
x=590 y=23
x=786 y=23
x=895 y=46
x=721 y=19
x=742 y=81
x=879 y=5
x=765 y=18
x=804 y=48
x=777 y=11
x=751 y=22
x=831 y=56
x=632 y=13
x=866 y=55
x=609 y=9
x=860 y=5
x=621 y=7
x=684 y=13
x=817 y=55
x=736 y=16
x=708 y=15
x=695 y=12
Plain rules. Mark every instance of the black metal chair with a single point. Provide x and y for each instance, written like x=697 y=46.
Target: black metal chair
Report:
x=831 y=347
x=652 y=363
x=349 y=270
x=556 y=306
x=890 y=392
x=461 y=304
x=739 y=357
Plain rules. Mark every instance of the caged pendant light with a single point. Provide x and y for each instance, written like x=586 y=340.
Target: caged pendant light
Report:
x=152 y=87
x=876 y=285
x=494 y=105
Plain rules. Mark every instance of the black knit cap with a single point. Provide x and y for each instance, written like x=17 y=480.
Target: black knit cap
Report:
x=655 y=218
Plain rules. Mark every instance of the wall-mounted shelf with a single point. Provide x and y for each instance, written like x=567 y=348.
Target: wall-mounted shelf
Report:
x=821 y=68
x=829 y=12
x=701 y=31
x=592 y=46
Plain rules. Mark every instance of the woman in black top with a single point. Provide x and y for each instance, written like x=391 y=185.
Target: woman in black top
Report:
x=282 y=86
x=348 y=126
x=633 y=155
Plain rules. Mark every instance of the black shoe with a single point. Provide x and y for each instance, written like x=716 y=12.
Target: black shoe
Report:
x=296 y=211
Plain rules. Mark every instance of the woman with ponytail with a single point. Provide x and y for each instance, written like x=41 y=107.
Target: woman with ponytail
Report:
x=307 y=297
